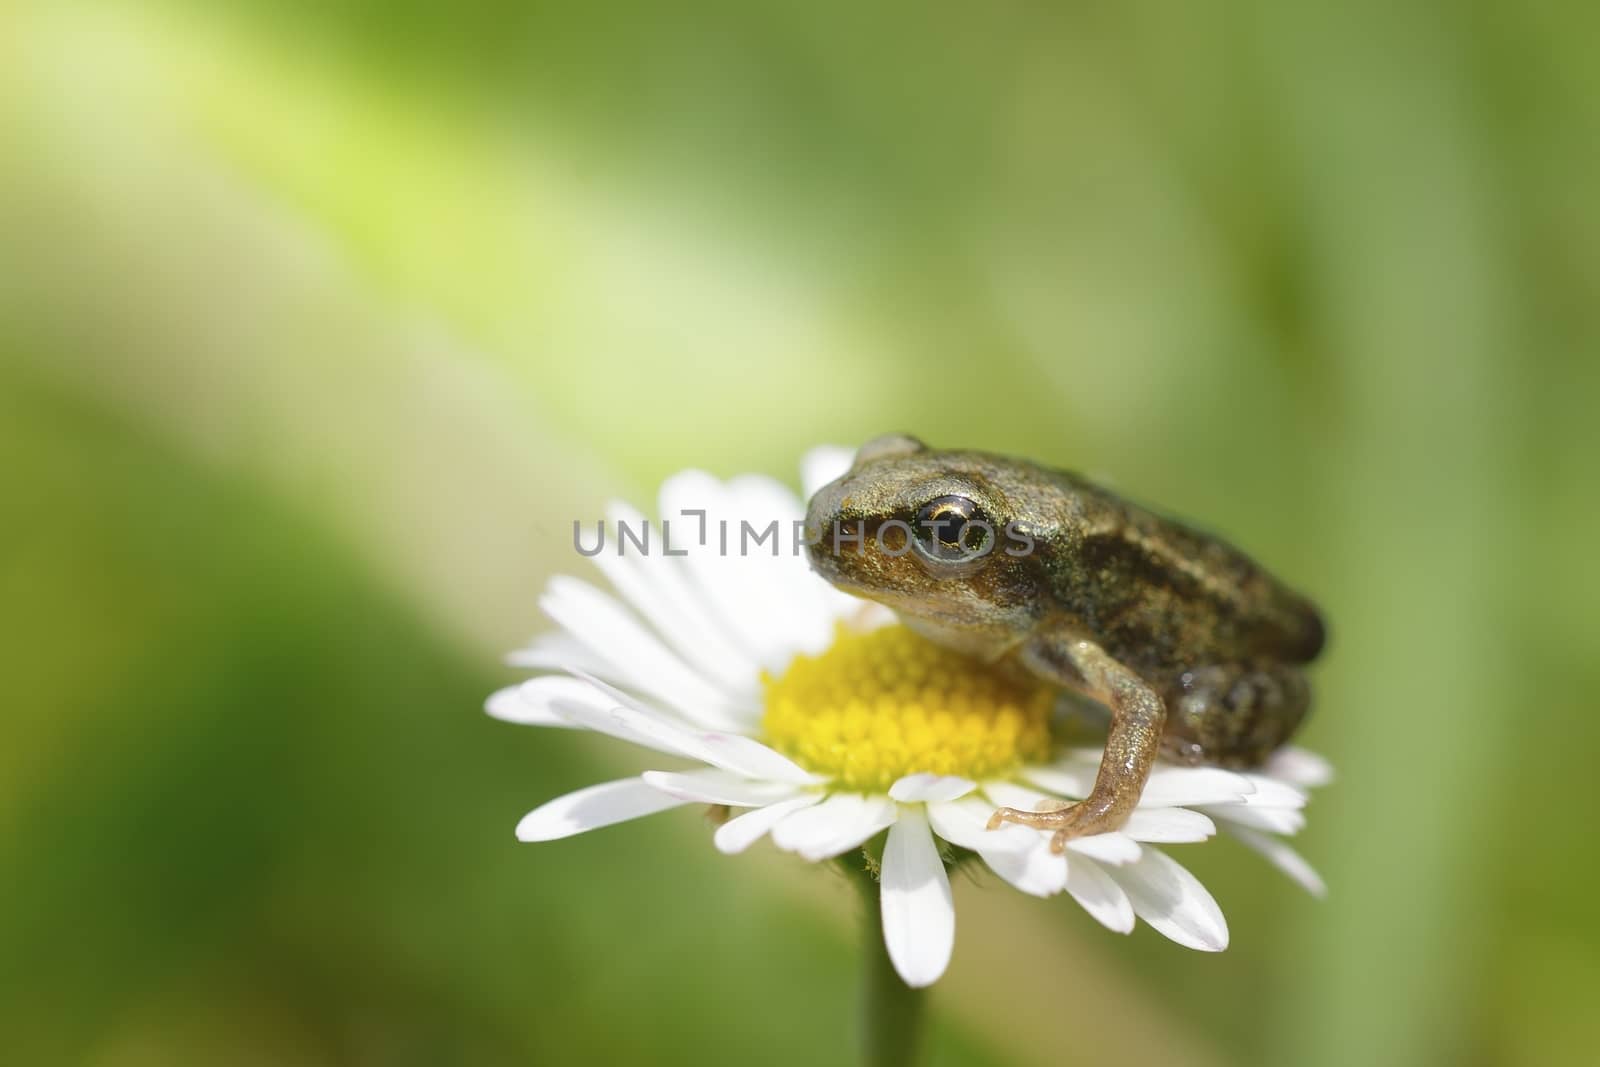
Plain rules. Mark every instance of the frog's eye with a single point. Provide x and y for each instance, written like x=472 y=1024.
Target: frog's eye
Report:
x=952 y=529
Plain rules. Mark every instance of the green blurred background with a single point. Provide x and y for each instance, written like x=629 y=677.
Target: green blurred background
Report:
x=319 y=323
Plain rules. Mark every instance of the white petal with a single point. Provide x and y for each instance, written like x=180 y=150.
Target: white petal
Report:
x=1185 y=787
x=1300 y=767
x=740 y=832
x=740 y=588
x=822 y=465
x=1169 y=786
x=541 y=699
x=749 y=757
x=591 y=808
x=1099 y=895
x=1017 y=854
x=717 y=787
x=558 y=650
x=786 y=579
x=1037 y=871
x=930 y=788
x=654 y=584
x=919 y=916
x=508 y=705
x=1115 y=848
x=1272 y=793
x=1280 y=855
x=1011 y=795
x=838 y=824
x=863 y=615
x=732 y=752
x=635 y=655
x=1173 y=902
x=1168 y=825
x=1273 y=820
x=599 y=709
x=1069 y=780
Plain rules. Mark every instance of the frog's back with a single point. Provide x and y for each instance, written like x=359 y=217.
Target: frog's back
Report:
x=1161 y=595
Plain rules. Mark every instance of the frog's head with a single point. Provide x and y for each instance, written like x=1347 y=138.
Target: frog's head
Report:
x=928 y=533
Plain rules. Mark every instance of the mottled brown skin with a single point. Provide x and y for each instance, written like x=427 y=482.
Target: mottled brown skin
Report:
x=1195 y=649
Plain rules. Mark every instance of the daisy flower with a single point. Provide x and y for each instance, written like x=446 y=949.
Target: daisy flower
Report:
x=824 y=724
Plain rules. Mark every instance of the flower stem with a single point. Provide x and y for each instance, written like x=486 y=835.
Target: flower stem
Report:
x=892 y=1013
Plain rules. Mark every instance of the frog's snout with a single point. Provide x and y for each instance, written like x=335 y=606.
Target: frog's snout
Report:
x=828 y=535
x=832 y=545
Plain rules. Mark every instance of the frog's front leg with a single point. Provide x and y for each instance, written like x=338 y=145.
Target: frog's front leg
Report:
x=1137 y=716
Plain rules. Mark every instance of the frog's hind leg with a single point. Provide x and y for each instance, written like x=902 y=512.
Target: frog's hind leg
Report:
x=1137 y=715
x=1234 y=714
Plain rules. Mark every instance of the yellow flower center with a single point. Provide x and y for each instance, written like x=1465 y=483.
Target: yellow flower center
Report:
x=880 y=705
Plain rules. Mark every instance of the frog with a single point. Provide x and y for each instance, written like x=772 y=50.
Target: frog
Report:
x=1196 y=651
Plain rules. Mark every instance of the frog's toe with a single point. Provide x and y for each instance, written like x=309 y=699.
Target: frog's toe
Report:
x=1064 y=820
x=1046 y=818
x=1002 y=816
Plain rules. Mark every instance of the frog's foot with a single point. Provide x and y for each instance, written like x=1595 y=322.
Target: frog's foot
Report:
x=1137 y=716
x=1083 y=819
